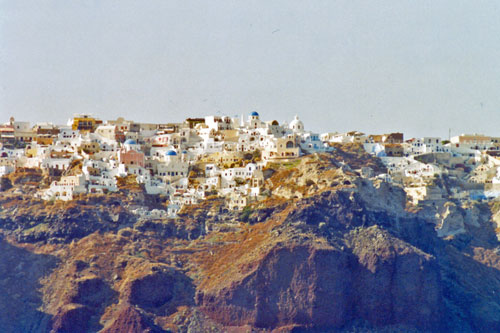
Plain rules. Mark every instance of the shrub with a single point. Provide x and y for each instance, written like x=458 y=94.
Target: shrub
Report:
x=245 y=213
x=310 y=182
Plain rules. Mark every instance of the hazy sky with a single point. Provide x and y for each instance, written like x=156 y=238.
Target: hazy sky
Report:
x=377 y=66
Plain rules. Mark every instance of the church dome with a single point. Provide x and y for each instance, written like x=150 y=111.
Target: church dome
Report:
x=296 y=124
x=130 y=142
x=171 y=153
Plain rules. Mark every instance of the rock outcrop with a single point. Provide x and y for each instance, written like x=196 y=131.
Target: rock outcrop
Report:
x=128 y=319
x=451 y=222
x=376 y=278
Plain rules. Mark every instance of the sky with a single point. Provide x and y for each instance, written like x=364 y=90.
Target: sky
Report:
x=421 y=67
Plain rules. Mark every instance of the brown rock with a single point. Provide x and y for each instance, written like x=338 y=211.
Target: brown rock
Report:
x=159 y=292
x=128 y=320
x=385 y=281
x=91 y=291
x=395 y=283
x=71 y=318
x=291 y=285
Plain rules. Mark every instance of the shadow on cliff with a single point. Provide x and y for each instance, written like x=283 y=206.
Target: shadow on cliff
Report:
x=84 y=304
x=483 y=234
x=20 y=299
x=158 y=293
x=471 y=291
x=162 y=291
x=470 y=287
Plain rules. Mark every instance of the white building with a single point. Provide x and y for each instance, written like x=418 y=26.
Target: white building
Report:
x=172 y=168
x=219 y=123
x=296 y=125
x=65 y=188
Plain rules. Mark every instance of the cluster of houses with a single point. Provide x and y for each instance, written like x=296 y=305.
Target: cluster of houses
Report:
x=224 y=155
x=470 y=163
x=184 y=161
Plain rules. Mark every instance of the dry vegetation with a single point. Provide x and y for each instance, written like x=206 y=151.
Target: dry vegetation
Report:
x=355 y=155
x=129 y=183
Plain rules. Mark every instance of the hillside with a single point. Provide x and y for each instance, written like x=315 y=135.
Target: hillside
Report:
x=326 y=250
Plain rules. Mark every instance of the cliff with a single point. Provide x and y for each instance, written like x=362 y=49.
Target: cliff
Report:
x=326 y=251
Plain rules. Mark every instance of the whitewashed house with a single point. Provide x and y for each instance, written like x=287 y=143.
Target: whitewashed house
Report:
x=101 y=175
x=65 y=188
x=212 y=170
x=237 y=202
x=172 y=167
x=219 y=123
x=350 y=137
x=281 y=148
x=310 y=143
x=422 y=170
x=6 y=167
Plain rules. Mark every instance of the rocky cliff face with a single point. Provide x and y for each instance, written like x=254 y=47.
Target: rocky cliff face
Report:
x=327 y=251
x=386 y=284
x=328 y=260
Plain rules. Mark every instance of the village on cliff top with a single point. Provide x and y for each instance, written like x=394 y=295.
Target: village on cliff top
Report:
x=226 y=156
